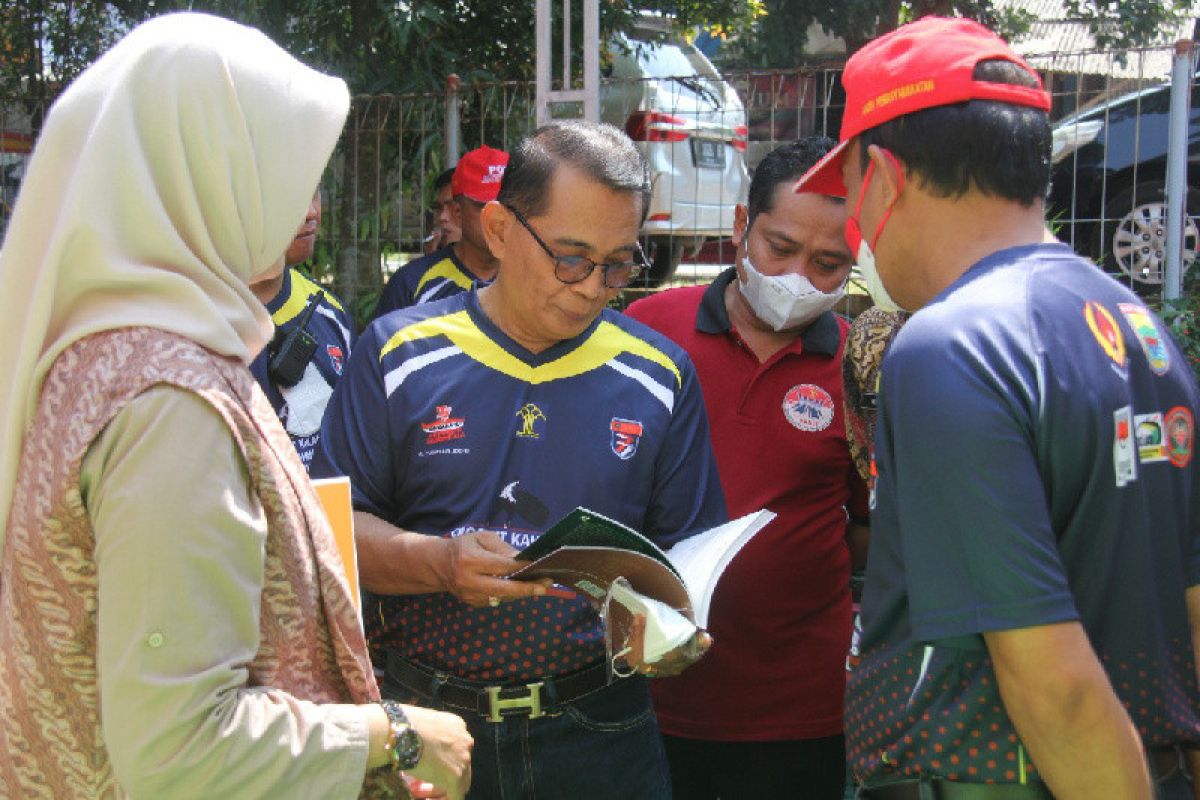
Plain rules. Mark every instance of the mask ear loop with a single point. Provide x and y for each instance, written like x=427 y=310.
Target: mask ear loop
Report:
x=613 y=670
x=899 y=187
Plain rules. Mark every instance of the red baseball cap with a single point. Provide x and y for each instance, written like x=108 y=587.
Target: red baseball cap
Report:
x=478 y=174
x=921 y=65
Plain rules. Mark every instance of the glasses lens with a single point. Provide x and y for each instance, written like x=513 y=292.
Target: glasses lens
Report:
x=573 y=269
x=618 y=276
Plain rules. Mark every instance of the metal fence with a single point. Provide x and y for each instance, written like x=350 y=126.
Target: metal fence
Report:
x=1109 y=170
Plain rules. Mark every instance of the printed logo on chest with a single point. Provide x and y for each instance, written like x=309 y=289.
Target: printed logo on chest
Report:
x=445 y=427
x=808 y=407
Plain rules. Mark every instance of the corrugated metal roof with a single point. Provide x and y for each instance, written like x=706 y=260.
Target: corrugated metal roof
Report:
x=1059 y=43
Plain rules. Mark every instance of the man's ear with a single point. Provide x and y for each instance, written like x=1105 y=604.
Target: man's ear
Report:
x=496 y=221
x=741 y=218
x=887 y=172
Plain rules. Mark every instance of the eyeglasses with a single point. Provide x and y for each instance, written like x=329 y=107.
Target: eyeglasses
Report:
x=573 y=269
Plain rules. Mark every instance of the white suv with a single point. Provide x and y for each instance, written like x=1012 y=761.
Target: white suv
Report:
x=691 y=126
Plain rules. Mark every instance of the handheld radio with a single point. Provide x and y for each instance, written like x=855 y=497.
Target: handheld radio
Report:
x=291 y=357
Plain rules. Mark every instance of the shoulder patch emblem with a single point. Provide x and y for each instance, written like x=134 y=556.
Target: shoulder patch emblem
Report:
x=1148 y=428
x=626 y=434
x=1147 y=333
x=1180 y=430
x=1124 y=452
x=1104 y=327
x=336 y=357
x=808 y=407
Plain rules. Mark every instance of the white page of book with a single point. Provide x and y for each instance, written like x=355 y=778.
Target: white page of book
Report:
x=702 y=558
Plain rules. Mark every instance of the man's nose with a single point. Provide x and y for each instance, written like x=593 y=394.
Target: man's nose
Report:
x=592 y=286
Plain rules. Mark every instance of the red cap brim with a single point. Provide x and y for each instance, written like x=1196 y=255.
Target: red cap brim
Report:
x=825 y=177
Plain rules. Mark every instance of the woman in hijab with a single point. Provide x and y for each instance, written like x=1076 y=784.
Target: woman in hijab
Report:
x=174 y=618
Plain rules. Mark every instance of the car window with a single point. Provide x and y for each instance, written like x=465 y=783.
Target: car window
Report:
x=669 y=60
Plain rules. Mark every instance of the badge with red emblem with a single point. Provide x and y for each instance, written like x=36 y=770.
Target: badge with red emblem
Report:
x=444 y=427
x=336 y=357
x=1180 y=429
x=1103 y=326
x=626 y=433
x=808 y=407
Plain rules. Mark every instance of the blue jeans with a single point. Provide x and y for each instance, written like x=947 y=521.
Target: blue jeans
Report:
x=603 y=746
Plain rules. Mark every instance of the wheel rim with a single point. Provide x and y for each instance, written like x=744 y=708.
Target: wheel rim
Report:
x=1139 y=243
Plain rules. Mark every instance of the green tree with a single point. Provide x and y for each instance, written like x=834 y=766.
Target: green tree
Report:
x=378 y=46
x=776 y=40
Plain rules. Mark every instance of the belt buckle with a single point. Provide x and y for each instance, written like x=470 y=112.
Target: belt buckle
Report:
x=531 y=702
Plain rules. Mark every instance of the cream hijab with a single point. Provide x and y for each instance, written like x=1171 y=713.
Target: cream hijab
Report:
x=168 y=176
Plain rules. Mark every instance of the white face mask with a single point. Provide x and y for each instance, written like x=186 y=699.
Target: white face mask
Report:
x=785 y=301
x=865 y=256
x=866 y=265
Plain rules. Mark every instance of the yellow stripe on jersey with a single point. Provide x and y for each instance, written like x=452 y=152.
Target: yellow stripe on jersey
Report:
x=606 y=343
x=302 y=289
x=444 y=269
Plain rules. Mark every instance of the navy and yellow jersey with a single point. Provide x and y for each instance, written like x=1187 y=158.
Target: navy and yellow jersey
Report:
x=1034 y=465
x=445 y=425
x=333 y=330
x=426 y=279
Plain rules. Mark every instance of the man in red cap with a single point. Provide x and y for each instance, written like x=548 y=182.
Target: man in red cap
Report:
x=1034 y=575
x=456 y=267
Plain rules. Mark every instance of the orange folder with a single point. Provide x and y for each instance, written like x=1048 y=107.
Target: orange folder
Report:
x=334 y=494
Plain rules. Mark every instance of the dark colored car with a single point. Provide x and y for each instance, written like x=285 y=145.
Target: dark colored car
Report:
x=1108 y=196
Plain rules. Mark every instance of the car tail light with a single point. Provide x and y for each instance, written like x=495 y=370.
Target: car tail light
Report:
x=654 y=126
x=740 y=134
x=664 y=216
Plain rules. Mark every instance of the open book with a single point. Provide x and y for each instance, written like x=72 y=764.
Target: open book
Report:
x=588 y=551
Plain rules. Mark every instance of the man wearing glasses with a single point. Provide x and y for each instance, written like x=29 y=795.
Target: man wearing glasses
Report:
x=468 y=426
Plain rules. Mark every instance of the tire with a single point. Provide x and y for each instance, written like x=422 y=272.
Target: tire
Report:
x=1132 y=238
x=663 y=254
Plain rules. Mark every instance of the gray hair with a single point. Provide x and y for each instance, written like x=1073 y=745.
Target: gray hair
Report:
x=600 y=151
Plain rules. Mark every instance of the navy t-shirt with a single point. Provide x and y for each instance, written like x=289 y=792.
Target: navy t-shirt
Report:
x=445 y=425
x=1035 y=466
x=426 y=279
x=330 y=325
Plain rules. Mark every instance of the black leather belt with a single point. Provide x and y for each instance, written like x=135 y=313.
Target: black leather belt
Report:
x=955 y=790
x=1165 y=762
x=494 y=702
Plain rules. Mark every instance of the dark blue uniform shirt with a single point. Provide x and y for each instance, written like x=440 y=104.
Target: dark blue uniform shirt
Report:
x=1035 y=466
x=445 y=425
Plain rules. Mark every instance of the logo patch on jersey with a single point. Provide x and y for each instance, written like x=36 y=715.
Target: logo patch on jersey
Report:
x=626 y=433
x=1124 y=455
x=1179 y=429
x=444 y=427
x=533 y=421
x=1150 y=442
x=1104 y=327
x=808 y=407
x=1147 y=333
x=336 y=357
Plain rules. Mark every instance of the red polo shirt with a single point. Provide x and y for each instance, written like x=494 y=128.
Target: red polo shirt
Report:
x=780 y=618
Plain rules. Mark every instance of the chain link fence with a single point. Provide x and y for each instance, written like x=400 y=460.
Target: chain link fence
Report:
x=1107 y=201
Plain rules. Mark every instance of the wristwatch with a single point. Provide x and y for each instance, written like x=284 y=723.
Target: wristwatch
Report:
x=403 y=743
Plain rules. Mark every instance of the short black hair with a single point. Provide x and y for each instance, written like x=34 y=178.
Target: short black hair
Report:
x=785 y=163
x=600 y=151
x=443 y=180
x=999 y=149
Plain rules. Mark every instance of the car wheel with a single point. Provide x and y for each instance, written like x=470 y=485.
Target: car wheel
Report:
x=1133 y=236
x=663 y=253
